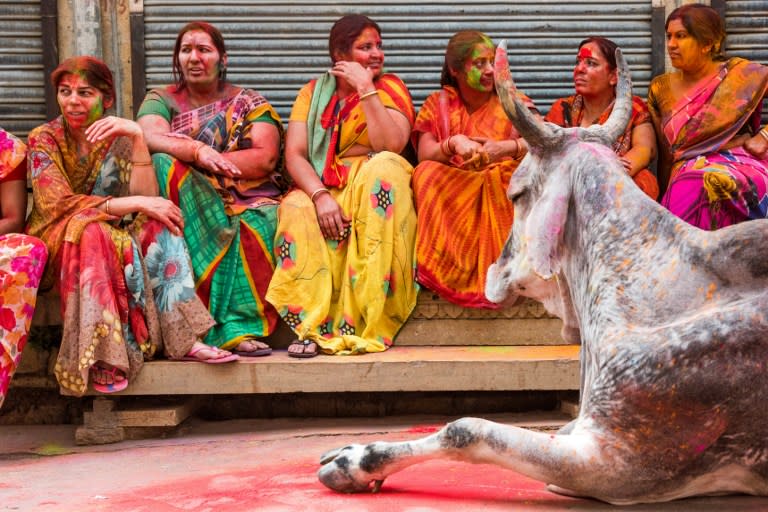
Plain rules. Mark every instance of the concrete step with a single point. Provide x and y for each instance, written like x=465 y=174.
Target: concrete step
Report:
x=442 y=368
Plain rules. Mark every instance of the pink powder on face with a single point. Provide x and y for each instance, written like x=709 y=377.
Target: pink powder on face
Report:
x=584 y=53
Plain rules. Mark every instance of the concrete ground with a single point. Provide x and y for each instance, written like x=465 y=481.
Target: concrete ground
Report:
x=270 y=465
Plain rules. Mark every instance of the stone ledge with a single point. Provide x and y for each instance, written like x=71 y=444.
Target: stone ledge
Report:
x=476 y=368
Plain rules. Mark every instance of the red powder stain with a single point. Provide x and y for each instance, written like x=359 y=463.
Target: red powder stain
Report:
x=423 y=429
x=435 y=485
x=584 y=53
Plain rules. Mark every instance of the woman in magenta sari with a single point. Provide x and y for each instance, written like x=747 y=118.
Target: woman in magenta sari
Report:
x=22 y=259
x=713 y=152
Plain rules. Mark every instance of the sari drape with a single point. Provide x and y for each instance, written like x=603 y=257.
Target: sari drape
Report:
x=126 y=288
x=22 y=259
x=569 y=112
x=709 y=186
x=229 y=223
x=350 y=296
x=464 y=214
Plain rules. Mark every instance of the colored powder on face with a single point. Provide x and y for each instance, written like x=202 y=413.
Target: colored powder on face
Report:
x=585 y=53
x=473 y=78
x=96 y=112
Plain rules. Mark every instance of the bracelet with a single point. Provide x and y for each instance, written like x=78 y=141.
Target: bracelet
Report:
x=200 y=146
x=139 y=164
x=367 y=94
x=517 y=149
x=316 y=192
x=444 y=148
x=106 y=208
x=764 y=133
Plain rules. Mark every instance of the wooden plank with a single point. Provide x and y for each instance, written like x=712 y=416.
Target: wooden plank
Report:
x=486 y=368
x=475 y=331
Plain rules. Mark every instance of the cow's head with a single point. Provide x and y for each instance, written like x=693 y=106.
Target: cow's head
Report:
x=541 y=189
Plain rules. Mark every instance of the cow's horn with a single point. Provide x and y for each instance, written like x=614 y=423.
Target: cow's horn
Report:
x=622 y=108
x=536 y=133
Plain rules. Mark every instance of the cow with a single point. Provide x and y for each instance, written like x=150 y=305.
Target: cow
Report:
x=671 y=318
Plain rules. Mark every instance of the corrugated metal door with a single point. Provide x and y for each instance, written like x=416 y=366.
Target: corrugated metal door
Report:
x=746 y=26
x=276 y=47
x=22 y=83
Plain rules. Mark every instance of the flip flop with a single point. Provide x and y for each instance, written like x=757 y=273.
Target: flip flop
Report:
x=257 y=352
x=191 y=356
x=304 y=354
x=115 y=386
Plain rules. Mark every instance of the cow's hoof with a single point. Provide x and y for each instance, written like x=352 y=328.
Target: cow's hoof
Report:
x=341 y=470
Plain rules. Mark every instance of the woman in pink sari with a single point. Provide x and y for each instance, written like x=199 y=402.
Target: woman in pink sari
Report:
x=22 y=259
x=713 y=152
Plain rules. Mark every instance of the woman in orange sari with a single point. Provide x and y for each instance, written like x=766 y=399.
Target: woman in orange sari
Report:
x=594 y=79
x=344 y=244
x=467 y=150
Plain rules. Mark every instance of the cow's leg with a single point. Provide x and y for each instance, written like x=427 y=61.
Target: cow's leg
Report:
x=568 y=461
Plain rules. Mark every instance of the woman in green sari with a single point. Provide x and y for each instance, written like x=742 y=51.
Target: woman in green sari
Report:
x=215 y=148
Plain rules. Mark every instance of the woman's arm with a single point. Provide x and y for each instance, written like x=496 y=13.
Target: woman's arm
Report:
x=388 y=129
x=642 y=150
x=13 y=204
x=260 y=159
x=333 y=223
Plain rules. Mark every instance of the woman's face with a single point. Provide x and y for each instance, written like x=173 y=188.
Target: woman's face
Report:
x=366 y=51
x=199 y=59
x=80 y=103
x=477 y=73
x=685 y=52
x=592 y=75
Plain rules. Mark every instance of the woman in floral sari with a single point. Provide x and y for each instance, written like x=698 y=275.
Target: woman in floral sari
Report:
x=468 y=150
x=714 y=155
x=126 y=288
x=22 y=259
x=216 y=149
x=594 y=79
x=344 y=277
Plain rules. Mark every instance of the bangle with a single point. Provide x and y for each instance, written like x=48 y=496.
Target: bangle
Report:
x=106 y=207
x=316 y=192
x=367 y=94
x=443 y=149
x=764 y=133
x=517 y=149
x=200 y=146
x=139 y=164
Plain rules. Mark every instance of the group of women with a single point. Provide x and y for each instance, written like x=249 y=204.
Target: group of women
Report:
x=177 y=233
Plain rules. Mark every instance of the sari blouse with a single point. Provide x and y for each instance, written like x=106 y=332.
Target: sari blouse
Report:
x=12 y=154
x=334 y=126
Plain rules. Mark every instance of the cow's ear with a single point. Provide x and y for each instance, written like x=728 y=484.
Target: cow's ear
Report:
x=546 y=224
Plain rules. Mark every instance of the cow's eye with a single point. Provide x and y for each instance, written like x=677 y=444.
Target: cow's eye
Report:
x=517 y=195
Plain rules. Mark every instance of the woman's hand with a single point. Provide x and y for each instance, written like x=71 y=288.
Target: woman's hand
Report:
x=333 y=223
x=757 y=146
x=163 y=210
x=111 y=126
x=358 y=77
x=211 y=160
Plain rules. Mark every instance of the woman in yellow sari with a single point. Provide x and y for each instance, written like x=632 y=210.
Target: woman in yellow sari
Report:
x=468 y=150
x=345 y=235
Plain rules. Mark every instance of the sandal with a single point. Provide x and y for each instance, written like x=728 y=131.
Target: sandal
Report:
x=255 y=352
x=192 y=356
x=306 y=351
x=108 y=387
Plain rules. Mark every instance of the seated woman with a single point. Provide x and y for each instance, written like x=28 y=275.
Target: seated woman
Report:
x=714 y=155
x=467 y=150
x=126 y=287
x=216 y=147
x=345 y=238
x=594 y=79
x=22 y=259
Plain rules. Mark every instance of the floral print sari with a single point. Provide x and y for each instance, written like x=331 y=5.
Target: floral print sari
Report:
x=126 y=286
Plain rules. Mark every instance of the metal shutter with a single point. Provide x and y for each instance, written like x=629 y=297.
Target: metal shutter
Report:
x=22 y=81
x=746 y=26
x=276 y=47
